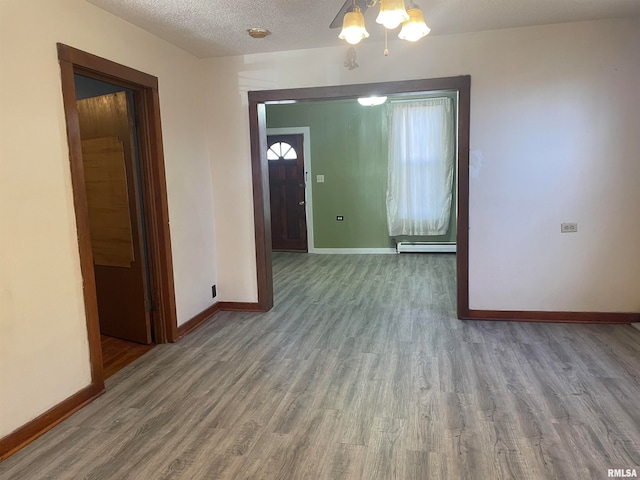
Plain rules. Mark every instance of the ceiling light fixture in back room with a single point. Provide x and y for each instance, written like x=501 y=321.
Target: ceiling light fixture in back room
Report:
x=371 y=101
x=392 y=14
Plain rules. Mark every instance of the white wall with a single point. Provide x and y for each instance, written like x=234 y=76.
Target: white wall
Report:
x=554 y=122
x=44 y=354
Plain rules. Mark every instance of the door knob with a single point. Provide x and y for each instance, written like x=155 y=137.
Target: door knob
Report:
x=302 y=202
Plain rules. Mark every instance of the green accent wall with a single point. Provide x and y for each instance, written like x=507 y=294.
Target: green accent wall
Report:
x=349 y=147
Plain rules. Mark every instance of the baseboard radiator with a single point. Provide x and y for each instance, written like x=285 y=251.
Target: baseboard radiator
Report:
x=425 y=247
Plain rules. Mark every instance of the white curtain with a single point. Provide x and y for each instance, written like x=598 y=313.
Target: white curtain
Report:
x=421 y=167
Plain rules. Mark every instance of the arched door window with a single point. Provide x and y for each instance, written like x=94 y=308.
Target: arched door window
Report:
x=281 y=151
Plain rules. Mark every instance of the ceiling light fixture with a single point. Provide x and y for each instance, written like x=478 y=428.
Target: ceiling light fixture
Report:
x=258 y=32
x=280 y=102
x=353 y=28
x=414 y=28
x=371 y=101
x=392 y=14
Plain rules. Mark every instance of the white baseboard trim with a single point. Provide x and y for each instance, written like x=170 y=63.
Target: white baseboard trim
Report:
x=353 y=251
x=636 y=325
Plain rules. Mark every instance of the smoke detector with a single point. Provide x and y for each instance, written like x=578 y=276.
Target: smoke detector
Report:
x=258 y=32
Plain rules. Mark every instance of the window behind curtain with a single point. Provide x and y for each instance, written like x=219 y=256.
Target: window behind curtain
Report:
x=421 y=167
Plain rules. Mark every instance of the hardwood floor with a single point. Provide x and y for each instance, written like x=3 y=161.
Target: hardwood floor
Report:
x=118 y=353
x=360 y=371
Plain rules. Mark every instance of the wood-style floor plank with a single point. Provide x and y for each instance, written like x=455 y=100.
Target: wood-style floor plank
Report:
x=118 y=353
x=361 y=371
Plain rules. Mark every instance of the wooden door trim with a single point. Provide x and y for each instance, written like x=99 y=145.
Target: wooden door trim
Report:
x=155 y=203
x=260 y=172
x=261 y=207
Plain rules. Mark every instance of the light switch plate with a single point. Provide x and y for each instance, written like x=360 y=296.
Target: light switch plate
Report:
x=320 y=178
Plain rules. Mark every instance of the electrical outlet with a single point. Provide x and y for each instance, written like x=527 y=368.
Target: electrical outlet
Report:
x=340 y=218
x=568 y=227
x=320 y=178
x=213 y=291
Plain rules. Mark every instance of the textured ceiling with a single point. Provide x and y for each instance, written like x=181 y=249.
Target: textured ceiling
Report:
x=214 y=28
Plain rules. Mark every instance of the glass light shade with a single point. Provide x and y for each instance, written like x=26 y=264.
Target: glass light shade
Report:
x=414 y=28
x=353 y=29
x=392 y=13
x=371 y=101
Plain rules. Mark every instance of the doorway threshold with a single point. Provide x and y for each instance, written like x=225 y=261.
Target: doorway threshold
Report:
x=118 y=353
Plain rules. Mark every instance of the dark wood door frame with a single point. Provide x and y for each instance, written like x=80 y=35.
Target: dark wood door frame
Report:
x=260 y=170
x=154 y=193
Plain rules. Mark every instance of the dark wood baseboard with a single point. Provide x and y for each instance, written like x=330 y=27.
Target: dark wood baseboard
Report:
x=552 y=317
x=38 y=426
x=241 y=307
x=193 y=323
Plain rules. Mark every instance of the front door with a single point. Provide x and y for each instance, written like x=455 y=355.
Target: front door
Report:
x=287 y=189
x=115 y=216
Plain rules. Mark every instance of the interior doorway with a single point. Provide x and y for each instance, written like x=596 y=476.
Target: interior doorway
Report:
x=112 y=182
x=125 y=257
x=257 y=112
x=111 y=160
